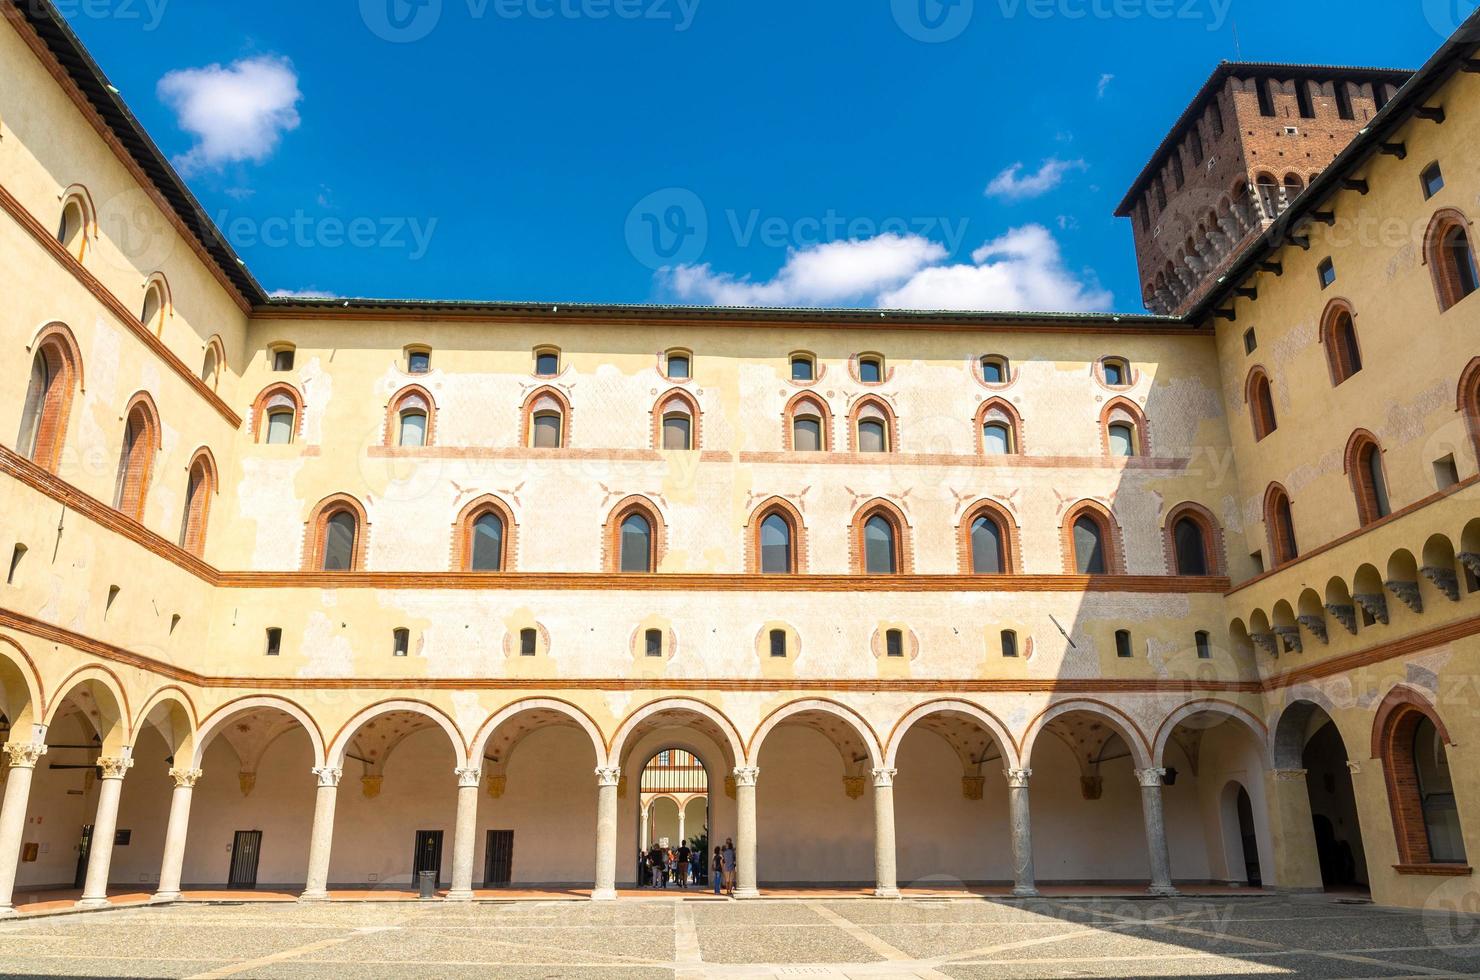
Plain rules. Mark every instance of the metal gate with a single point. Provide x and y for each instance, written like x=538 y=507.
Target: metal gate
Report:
x=84 y=851
x=428 y=856
x=245 y=850
x=498 y=859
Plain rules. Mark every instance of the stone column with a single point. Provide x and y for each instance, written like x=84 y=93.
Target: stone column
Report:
x=465 y=835
x=175 y=834
x=1023 y=883
x=1296 y=865
x=1156 y=831
x=105 y=828
x=321 y=843
x=23 y=758
x=606 y=834
x=643 y=836
x=745 y=876
x=886 y=884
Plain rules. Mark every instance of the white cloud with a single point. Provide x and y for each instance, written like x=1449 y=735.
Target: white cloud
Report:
x=1104 y=84
x=302 y=294
x=1014 y=186
x=236 y=113
x=835 y=272
x=1021 y=270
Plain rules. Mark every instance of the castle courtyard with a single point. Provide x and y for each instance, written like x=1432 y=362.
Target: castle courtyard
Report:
x=1313 y=936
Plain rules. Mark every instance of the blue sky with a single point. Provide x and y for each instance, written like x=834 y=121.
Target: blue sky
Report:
x=793 y=152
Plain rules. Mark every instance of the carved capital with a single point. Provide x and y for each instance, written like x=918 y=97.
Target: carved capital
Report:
x=1289 y=775
x=185 y=778
x=1407 y=593
x=608 y=775
x=470 y=777
x=115 y=768
x=1316 y=625
x=1018 y=778
x=1375 y=603
x=746 y=775
x=1149 y=778
x=24 y=755
x=328 y=775
x=1290 y=636
x=884 y=777
x=1446 y=580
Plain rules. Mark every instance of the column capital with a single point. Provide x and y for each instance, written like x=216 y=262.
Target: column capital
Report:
x=185 y=778
x=608 y=775
x=1018 y=778
x=328 y=775
x=884 y=778
x=1149 y=778
x=746 y=775
x=24 y=755
x=115 y=768
x=1289 y=775
x=469 y=777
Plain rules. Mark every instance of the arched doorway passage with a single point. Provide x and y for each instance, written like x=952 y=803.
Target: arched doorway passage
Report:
x=1308 y=741
x=673 y=821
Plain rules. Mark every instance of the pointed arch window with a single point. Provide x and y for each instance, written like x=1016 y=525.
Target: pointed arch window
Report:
x=986 y=540
x=1450 y=255
x=336 y=536
x=807 y=423
x=1369 y=482
x=1091 y=546
x=1343 y=355
x=988 y=549
x=1260 y=399
x=1192 y=547
x=55 y=373
x=340 y=533
x=676 y=423
x=1123 y=429
x=136 y=462
x=1279 y=519
x=1412 y=743
x=873 y=427
x=276 y=414
x=637 y=544
x=546 y=415
x=487 y=551
x=1000 y=428
x=200 y=483
x=879 y=546
x=483 y=537
x=777 y=553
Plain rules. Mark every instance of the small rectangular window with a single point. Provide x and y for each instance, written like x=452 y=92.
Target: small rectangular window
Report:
x=1204 y=645
x=802 y=369
x=400 y=642
x=1251 y=341
x=654 y=643
x=894 y=643
x=419 y=362
x=1009 y=643
x=1178 y=176
x=871 y=370
x=1123 y=644
x=274 y=641
x=1327 y=272
x=678 y=367
x=1197 y=145
x=1344 y=101
x=528 y=641
x=547 y=363
x=282 y=360
x=15 y=563
x=1433 y=181
x=1446 y=473
x=778 y=643
x=1266 y=98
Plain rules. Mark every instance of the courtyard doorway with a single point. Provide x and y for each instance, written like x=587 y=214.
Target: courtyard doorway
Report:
x=246 y=850
x=673 y=813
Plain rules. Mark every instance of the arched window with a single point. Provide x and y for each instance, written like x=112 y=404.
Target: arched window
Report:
x=1194 y=541
x=1192 y=547
x=545 y=420
x=336 y=536
x=155 y=305
x=1090 y=543
x=76 y=219
x=1089 y=547
x=1339 y=334
x=1280 y=525
x=210 y=368
x=409 y=418
x=995 y=370
x=1450 y=256
x=340 y=531
x=678 y=365
x=1260 y=399
x=546 y=362
x=880 y=555
x=637 y=544
x=483 y=537
x=873 y=427
x=807 y=421
x=1123 y=429
x=136 y=462
x=987 y=540
x=1468 y=401
x=880 y=541
x=1115 y=372
x=1436 y=796
x=634 y=537
x=803 y=368
x=776 y=549
x=1412 y=744
x=276 y=415
x=775 y=539
x=199 y=485
x=487 y=551
x=871 y=369
x=988 y=553
x=55 y=372
x=413 y=427
x=677 y=423
x=1000 y=428
x=1369 y=484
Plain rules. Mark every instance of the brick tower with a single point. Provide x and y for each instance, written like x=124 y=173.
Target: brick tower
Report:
x=1252 y=140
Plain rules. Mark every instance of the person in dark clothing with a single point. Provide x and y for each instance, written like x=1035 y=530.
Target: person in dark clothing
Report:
x=683 y=866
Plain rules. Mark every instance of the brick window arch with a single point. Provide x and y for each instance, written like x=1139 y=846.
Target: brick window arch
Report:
x=411 y=418
x=808 y=424
x=634 y=538
x=337 y=533
x=879 y=540
x=546 y=419
x=1449 y=252
x=1339 y=335
x=1194 y=541
x=987 y=540
x=485 y=537
x=136 y=461
x=1279 y=524
x=277 y=415
x=157 y=304
x=776 y=539
x=1091 y=541
x=1411 y=740
x=999 y=429
x=1468 y=401
x=1259 y=396
x=871 y=426
x=56 y=374
x=201 y=484
x=1364 y=467
x=1123 y=429
x=677 y=422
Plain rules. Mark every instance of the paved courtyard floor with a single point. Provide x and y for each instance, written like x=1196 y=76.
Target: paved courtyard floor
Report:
x=678 y=940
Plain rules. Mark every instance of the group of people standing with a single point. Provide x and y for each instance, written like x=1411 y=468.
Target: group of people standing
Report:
x=660 y=866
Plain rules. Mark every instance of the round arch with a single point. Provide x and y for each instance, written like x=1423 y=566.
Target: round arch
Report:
x=21 y=687
x=985 y=718
x=213 y=723
x=112 y=721
x=1118 y=720
x=1203 y=706
x=861 y=728
x=480 y=740
x=340 y=743
x=730 y=735
x=171 y=712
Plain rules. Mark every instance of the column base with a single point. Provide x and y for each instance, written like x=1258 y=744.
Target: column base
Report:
x=460 y=895
x=1163 y=891
x=8 y=912
x=746 y=893
x=164 y=898
x=93 y=903
x=886 y=893
x=1025 y=891
x=604 y=895
x=314 y=896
